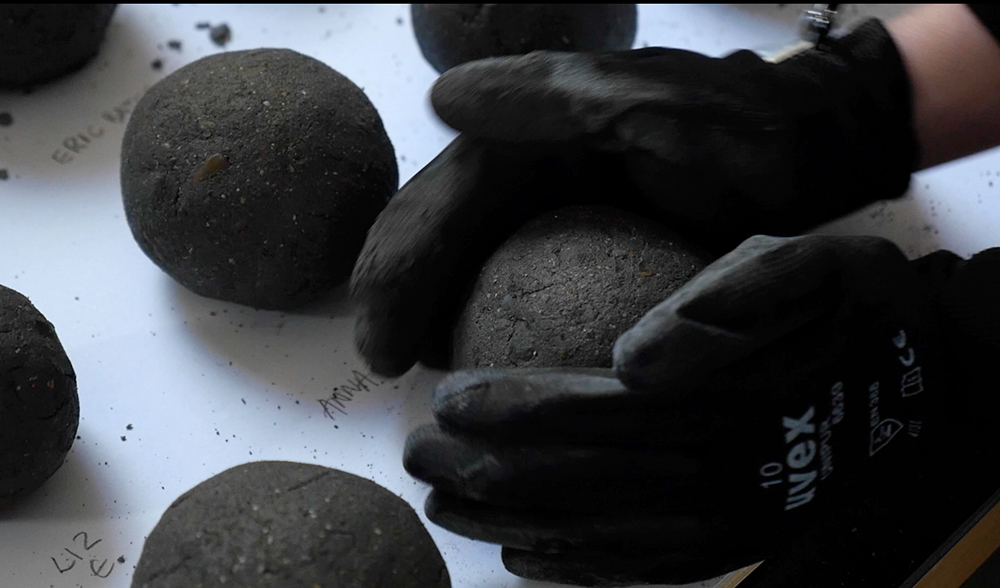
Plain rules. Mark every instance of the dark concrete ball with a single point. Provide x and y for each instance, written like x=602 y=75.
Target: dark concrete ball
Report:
x=40 y=42
x=276 y=524
x=253 y=176
x=562 y=289
x=39 y=408
x=452 y=34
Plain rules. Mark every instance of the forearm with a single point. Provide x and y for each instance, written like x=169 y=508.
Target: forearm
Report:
x=954 y=67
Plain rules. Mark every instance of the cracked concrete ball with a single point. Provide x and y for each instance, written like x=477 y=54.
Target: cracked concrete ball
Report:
x=253 y=176
x=39 y=407
x=452 y=34
x=279 y=524
x=560 y=291
x=41 y=42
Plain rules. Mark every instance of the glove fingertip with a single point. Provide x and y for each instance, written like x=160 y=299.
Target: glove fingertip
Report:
x=414 y=451
x=436 y=508
x=461 y=95
x=510 y=98
x=450 y=94
x=638 y=356
x=370 y=346
x=665 y=347
x=386 y=349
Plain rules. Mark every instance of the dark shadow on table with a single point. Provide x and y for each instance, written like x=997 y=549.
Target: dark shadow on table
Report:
x=92 y=106
x=75 y=491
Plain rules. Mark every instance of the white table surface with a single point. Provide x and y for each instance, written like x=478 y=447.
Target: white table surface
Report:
x=208 y=385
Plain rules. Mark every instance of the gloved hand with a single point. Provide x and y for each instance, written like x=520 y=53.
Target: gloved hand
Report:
x=789 y=376
x=720 y=149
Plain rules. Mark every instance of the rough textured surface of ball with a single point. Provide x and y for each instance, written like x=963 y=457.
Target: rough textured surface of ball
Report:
x=451 y=34
x=253 y=176
x=40 y=42
x=562 y=289
x=281 y=524
x=39 y=407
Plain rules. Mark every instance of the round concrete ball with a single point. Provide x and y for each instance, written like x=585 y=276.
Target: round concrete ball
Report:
x=39 y=408
x=275 y=524
x=451 y=34
x=253 y=176
x=40 y=42
x=560 y=291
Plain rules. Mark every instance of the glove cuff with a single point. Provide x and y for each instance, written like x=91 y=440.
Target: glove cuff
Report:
x=886 y=102
x=868 y=79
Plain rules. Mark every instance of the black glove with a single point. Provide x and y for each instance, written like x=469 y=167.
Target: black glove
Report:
x=720 y=149
x=790 y=376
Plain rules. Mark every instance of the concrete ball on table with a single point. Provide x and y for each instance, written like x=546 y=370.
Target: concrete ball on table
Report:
x=41 y=42
x=560 y=291
x=452 y=34
x=275 y=524
x=253 y=176
x=39 y=406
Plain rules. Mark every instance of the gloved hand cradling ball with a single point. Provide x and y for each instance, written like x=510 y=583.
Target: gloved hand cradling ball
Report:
x=719 y=149
x=742 y=408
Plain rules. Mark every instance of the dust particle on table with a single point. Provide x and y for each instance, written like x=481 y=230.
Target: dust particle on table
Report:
x=201 y=26
x=157 y=64
x=6 y=119
x=220 y=34
x=174 y=44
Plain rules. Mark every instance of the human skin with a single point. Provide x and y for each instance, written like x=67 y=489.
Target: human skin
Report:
x=954 y=66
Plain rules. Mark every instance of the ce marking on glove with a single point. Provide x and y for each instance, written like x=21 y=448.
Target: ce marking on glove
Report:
x=913 y=381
